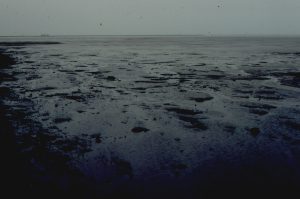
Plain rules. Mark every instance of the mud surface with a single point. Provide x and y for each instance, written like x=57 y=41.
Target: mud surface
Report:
x=144 y=117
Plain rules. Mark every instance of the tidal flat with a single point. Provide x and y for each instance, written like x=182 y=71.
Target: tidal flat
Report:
x=150 y=117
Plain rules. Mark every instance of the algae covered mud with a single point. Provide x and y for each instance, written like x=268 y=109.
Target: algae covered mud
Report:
x=181 y=117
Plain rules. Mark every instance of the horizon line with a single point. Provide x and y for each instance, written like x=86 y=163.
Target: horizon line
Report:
x=124 y=35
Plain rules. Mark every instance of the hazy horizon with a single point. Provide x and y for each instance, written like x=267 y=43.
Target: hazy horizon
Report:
x=154 y=35
x=141 y=17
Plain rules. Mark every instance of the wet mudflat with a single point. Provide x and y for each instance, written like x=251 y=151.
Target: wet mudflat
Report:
x=154 y=116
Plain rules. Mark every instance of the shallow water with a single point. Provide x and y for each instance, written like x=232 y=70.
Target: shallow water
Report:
x=147 y=111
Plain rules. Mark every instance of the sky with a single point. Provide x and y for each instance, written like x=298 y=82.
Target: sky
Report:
x=147 y=17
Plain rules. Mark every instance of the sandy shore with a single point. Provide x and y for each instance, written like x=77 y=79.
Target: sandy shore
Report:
x=140 y=124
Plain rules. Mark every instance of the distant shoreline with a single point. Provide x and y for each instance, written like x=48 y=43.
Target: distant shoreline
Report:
x=27 y=43
x=157 y=35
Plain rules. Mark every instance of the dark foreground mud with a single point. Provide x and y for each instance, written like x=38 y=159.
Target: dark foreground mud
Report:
x=167 y=122
x=30 y=167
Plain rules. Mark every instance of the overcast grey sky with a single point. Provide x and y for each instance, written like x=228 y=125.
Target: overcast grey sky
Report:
x=127 y=17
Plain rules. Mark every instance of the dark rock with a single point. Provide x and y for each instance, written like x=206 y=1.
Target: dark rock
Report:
x=62 y=120
x=195 y=124
x=75 y=98
x=111 y=78
x=183 y=111
x=139 y=130
x=258 y=112
x=97 y=138
x=202 y=99
x=254 y=131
